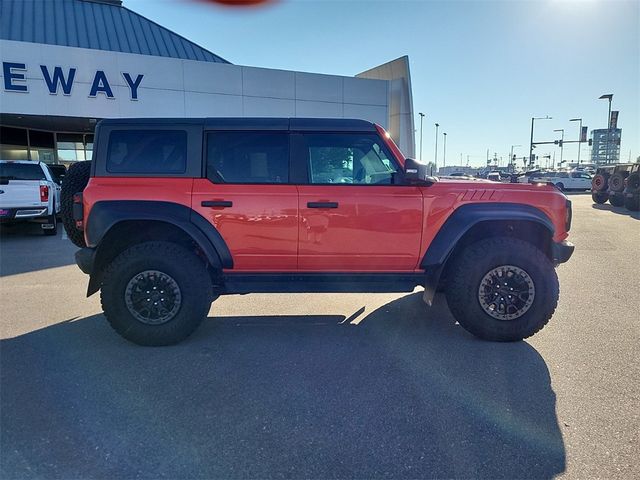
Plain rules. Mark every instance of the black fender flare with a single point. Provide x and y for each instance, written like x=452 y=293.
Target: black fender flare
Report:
x=460 y=222
x=105 y=215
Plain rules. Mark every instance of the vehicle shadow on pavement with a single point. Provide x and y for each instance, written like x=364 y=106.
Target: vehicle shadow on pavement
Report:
x=618 y=210
x=406 y=393
x=23 y=248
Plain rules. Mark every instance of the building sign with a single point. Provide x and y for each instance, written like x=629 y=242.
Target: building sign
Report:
x=56 y=79
x=613 y=122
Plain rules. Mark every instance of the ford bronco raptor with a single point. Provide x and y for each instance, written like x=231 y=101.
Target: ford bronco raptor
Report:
x=172 y=213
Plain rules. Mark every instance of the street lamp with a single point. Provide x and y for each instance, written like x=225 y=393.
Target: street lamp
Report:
x=512 y=164
x=421 y=118
x=444 y=151
x=533 y=119
x=435 y=161
x=579 y=136
x=561 y=144
x=608 y=96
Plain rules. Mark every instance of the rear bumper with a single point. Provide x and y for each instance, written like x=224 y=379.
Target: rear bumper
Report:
x=562 y=251
x=24 y=214
x=85 y=258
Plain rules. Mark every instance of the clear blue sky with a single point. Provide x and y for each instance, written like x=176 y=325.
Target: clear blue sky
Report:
x=481 y=69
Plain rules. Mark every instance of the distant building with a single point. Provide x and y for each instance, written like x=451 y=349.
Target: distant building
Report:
x=600 y=151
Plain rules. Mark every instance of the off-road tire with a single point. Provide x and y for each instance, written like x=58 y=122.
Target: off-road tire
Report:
x=599 y=182
x=75 y=181
x=600 y=197
x=633 y=182
x=616 y=200
x=183 y=266
x=632 y=203
x=616 y=182
x=474 y=262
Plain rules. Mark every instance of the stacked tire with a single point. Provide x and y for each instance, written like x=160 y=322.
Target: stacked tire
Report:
x=599 y=185
x=632 y=192
x=74 y=182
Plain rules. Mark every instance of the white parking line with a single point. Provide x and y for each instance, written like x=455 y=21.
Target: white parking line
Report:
x=64 y=234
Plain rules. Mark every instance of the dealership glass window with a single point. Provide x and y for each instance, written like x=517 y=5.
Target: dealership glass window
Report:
x=349 y=158
x=14 y=144
x=248 y=157
x=74 y=147
x=42 y=146
x=147 y=151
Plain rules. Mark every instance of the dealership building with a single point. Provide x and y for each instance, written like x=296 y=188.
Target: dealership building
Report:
x=68 y=63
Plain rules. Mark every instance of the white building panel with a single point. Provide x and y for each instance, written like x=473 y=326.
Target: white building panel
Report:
x=321 y=88
x=263 y=82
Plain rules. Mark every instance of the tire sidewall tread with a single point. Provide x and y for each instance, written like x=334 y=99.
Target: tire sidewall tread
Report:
x=479 y=258
x=183 y=266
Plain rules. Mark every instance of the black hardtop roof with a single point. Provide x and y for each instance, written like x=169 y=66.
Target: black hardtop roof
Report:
x=252 y=123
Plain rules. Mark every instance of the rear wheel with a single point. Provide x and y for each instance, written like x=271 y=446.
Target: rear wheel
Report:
x=599 y=197
x=616 y=200
x=632 y=203
x=75 y=181
x=156 y=293
x=502 y=289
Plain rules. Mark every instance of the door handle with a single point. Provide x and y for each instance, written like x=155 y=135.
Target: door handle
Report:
x=322 y=204
x=217 y=203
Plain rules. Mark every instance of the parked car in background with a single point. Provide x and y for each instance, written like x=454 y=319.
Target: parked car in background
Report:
x=617 y=183
x=28 y=193
x=563 y=180
x=600 y=184
x=632 y=189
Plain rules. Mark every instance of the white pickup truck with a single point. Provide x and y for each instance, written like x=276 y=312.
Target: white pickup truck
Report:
x=28 y=193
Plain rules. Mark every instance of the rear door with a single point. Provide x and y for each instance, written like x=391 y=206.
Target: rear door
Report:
x=353 y=215
x=247 y=196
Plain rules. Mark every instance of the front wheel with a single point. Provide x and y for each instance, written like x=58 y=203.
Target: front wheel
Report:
x=560 y=186
x=502 y=289
x=156 y=293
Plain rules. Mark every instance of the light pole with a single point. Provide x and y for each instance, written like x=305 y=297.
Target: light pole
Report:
x=579 y=136
x=421 y=118
x=435 y=161
x=512 y=164
x=561 y=143
x=533 y=119
x=444 y=151
x=608 y=96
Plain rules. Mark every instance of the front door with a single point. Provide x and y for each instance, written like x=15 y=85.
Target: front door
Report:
x=352 y=216
x=246 y=195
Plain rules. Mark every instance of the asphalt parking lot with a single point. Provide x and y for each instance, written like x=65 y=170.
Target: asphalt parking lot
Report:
x=323 y=386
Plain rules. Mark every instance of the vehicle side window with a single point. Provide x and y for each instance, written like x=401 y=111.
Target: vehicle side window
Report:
x=349 y=158
x=563 y=175
x=248 y=157
x=147 y=151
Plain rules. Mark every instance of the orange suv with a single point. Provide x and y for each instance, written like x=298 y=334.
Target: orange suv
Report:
x=173 y=213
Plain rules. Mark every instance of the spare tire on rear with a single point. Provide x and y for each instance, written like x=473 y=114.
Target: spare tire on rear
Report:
x=633 y=182
x=599 y=182
x=616 y=182
x=74 y=182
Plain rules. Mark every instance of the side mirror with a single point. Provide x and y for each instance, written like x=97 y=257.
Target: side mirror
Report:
x=415 y=173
